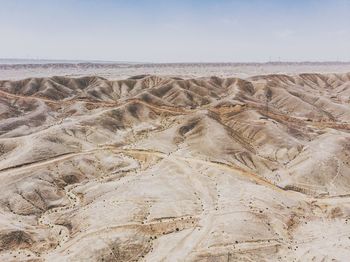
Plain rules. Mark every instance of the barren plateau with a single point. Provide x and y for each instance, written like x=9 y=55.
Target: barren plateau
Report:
x=161 y=168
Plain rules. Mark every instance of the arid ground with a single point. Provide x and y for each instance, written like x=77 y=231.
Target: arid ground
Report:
x=164 y=168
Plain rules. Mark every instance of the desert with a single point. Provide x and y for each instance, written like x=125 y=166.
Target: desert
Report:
x=164 y=166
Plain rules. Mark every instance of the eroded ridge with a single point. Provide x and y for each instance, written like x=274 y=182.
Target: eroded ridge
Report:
x=168 y=169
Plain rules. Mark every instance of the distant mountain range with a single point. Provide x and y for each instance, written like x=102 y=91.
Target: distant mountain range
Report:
x=8 y=64
x=15 y=61
x=93 y=63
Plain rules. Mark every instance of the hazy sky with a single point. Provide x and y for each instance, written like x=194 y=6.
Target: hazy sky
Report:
x=176 y=31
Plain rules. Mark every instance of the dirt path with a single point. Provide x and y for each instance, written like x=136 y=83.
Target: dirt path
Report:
x=192 y=241
x=183 y=243
x=231 y=168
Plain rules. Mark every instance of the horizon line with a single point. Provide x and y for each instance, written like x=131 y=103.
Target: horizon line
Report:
x=44 y=61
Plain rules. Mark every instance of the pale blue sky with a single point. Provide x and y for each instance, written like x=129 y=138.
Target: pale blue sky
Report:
x=176 y=31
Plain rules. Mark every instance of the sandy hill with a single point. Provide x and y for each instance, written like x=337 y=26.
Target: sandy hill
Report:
x=155 y=168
